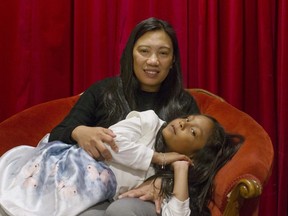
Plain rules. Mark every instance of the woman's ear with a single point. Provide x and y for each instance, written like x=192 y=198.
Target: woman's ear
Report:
x=171 y=66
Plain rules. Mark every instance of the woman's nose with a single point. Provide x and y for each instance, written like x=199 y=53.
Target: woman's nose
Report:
x=153 y=60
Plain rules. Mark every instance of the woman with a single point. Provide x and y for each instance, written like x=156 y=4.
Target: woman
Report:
x=150 y=78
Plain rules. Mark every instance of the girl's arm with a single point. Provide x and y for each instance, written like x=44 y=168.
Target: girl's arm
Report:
x=163 y=159
x=135 y=138
x=180 y=190
x=179 y=203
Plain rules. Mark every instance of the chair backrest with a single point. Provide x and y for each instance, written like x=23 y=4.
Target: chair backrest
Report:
x=29 y=126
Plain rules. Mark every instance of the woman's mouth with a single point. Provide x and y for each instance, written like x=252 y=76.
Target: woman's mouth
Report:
x=151 y=73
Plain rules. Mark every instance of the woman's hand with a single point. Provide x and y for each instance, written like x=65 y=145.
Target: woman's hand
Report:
x=147 y=191
x=92 y=140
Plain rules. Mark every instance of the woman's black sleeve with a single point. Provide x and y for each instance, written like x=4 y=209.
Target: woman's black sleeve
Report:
x=84 y=112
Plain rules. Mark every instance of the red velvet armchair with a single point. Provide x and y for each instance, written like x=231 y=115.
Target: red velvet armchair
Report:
x=238 y=185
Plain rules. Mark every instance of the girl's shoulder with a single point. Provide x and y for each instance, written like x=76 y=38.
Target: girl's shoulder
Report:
x=149 y=119
x=149 y=115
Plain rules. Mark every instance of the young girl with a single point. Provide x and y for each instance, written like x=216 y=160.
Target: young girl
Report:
x=194 y=184
x=61 y=179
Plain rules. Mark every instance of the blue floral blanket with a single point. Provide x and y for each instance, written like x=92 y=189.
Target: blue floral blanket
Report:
x=52 y=179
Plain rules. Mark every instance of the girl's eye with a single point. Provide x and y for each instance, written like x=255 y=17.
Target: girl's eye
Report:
x=187 y=119
x=193 y=132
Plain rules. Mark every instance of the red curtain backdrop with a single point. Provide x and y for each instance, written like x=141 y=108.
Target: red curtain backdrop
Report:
x=237 y=49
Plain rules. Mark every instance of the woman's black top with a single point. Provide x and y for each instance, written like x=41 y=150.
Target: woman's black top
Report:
x=91 y=109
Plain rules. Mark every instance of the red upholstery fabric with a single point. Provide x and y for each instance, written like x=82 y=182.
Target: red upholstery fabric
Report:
x=253 y=160
x=30 y=125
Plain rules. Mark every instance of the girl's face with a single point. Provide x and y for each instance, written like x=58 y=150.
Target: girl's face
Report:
x=152 y=59
x=188 y=135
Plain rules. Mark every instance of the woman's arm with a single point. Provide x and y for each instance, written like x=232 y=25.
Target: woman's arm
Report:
x=94 y=140
x=79 y=125
x=82 y=113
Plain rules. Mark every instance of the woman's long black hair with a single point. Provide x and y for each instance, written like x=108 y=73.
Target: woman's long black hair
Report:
x=172 y=85
x=121 y=96
x=218 y=150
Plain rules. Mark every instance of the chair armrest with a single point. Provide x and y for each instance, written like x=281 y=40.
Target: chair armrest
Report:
x=244 y=189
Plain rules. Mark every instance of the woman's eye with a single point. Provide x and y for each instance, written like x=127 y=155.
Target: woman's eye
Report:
x=163 y=53
x=187 y=119
x=143 y=51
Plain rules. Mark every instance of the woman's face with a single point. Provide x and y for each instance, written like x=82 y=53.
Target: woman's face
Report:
x=188 y=135
x=152 y=59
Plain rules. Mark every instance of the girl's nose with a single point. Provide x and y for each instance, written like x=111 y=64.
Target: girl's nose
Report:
x=182 y=124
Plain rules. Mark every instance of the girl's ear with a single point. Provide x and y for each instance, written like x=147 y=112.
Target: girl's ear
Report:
x=192 y=164
x=192 y=161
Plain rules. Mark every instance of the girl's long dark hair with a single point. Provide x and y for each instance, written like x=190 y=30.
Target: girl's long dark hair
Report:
x=218 y=150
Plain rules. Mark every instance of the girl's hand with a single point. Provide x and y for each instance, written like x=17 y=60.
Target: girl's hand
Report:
x=92 y=140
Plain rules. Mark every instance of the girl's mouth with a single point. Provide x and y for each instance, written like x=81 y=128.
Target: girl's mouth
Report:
x=173 y=129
